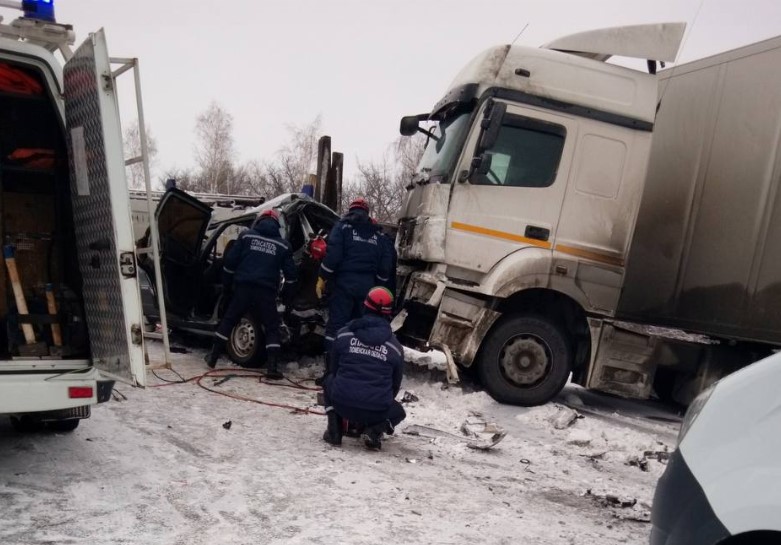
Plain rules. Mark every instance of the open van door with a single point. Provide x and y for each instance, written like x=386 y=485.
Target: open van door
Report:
x=101 y=210
x=181 y=221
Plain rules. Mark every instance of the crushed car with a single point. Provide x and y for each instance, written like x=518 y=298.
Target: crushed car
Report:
x=192 y=249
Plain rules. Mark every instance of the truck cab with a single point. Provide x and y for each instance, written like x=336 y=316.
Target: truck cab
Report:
x=70 y=302
x=517 y=224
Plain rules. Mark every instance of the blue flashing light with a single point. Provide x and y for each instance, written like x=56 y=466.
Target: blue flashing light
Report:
x=42 y=10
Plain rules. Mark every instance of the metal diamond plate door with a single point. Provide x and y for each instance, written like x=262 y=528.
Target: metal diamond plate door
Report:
x=102 y=213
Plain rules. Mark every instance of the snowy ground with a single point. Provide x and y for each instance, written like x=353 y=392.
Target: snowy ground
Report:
x=159 y=468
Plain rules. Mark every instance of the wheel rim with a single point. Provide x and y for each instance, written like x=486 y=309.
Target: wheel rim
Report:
x=243 y=338
x=525 y=360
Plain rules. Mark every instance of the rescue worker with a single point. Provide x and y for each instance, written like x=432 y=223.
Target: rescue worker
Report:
x=390 y=246
x=356 y=260
x=251 y=271
x=365 y=374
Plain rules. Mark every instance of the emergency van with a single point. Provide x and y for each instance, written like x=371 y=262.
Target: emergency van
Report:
x=69 y=299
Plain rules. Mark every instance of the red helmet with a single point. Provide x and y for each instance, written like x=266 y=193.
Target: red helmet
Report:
x=361 y=203
x=379 y=300
x=317 y=248
x=270 y=213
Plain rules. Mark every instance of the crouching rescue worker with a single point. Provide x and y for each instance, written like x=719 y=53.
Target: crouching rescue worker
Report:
x=365 y=374
x=251 y=271
x=356 y=260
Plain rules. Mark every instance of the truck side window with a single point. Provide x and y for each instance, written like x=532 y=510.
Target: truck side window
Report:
x=526 y=154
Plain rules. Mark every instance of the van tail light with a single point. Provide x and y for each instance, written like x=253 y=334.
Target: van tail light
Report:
x=80 y=392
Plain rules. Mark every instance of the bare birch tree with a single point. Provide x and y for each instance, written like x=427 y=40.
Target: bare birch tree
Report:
x=383 y=182
x=214 y=149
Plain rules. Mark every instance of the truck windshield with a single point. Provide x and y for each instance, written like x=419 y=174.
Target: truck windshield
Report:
x=440 y=155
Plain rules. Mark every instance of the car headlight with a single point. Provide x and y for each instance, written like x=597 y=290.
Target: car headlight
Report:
x=694 y=410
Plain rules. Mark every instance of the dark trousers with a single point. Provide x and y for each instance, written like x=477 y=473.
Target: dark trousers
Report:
x=343 y=306
x=261 y=303
x=363 y=418
x=395 y=414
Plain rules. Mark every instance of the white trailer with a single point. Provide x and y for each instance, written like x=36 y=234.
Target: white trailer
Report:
x=64 y=208
x=575 y=216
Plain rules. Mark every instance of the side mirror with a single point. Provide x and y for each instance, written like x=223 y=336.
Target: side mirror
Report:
x=481 y=164
x=409 y=125
x=491 y=124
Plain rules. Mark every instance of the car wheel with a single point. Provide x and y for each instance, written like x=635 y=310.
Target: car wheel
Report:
x=246 y=345
x=64 y=426
x=525 y=360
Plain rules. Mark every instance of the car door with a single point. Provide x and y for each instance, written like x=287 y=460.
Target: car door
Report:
x=101 y=209
x=181 y=221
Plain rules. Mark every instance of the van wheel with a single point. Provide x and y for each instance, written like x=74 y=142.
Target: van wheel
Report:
x=25 y=424
x=64 y=426
x=246 y=345
x=525 y=360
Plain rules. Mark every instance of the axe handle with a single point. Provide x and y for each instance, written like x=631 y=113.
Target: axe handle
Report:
x=21 y=304
x=51 y=302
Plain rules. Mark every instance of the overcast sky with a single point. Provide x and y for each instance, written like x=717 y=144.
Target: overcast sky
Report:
x=360 y=64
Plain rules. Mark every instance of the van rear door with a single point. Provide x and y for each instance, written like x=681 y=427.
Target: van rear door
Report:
x=101 y=209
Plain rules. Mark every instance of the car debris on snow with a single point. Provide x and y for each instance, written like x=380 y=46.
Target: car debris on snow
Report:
x=409 y=397
x=227 y=425
x=622 y=507
x=474 y=441
x=564 y=418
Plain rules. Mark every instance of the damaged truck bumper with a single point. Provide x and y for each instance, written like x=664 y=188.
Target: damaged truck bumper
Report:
x=438 y=316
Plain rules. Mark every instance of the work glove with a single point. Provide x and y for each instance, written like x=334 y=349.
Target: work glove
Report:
x=320 y=287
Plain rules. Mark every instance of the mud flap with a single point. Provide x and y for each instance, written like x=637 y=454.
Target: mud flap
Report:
x=623 y=364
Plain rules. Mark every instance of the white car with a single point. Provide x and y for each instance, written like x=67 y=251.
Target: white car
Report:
x=723 y=484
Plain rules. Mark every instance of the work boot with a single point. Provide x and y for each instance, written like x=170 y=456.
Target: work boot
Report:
x=321 y=380
x=272 y=372
x=217 y=347
x=333 y=434
x=372 y=437
x=388 y=428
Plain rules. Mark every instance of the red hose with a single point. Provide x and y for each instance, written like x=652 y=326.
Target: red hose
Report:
x=248 y=373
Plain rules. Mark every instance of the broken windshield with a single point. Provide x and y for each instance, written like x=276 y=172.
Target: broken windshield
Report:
x=441 y=153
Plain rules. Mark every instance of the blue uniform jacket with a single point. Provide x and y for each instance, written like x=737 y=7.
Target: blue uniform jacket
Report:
x=356 y=256
x=366 y=365
x=257 y=257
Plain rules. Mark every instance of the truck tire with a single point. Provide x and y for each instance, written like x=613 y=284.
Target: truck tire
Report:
x=64 y=426
x=525 y=360
x=246 y=345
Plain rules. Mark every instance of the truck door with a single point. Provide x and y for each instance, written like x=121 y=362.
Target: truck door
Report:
x=101 y=208
x=515 y=200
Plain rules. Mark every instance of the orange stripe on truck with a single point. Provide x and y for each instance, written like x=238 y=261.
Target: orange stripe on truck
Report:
x=570 y=250
x=594 y=256
x=498 y=234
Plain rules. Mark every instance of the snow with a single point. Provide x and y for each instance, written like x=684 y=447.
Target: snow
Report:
x=159 y=467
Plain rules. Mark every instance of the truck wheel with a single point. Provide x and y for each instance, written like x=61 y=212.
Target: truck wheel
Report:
x=246 y=345
x=525 y=360
x=64 y=426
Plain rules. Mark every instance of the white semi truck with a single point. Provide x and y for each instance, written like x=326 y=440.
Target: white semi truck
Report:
x=571 y=215
x=64 y=214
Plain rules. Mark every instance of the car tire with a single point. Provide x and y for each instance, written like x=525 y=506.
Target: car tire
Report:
x=525 y=360
x=64 y=426
x=246 y=344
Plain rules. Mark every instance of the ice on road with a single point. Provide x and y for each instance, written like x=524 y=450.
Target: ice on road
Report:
x=159 y=467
